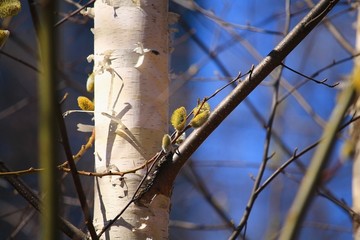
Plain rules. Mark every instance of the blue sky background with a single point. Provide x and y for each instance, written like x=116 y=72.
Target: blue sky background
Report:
x=232 y=154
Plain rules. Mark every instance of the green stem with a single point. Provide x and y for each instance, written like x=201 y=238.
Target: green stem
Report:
x=321 y=157
x=47 y=121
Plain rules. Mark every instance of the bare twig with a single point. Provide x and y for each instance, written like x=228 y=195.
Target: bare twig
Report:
x=302 y=102
x=224 y=24
x=82 y=150
x=194 y=177
x=14 y=108
x=334 y=31
x=264 y=68
x=21 y=172
x=34 y=200
x=73 y=13
x=310 y=78
x=193 y=226
x=269 y=128
x=334 y=63
x=75 y=176
x=312 y=176
x=20 y=61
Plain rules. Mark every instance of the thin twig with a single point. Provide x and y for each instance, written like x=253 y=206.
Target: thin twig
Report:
x=334 y=31
x=264 y=161
x=262 y=70
x=136 y=194
x=201 y=186
x=73 y=13
x=34 y=201
x=334 y=63
x=310 y=78
x=226 y=24
x=312 y=176
x=82 y=151
x=193 y=226
x=20 y=61
x=75 y=176
x=302 y=102
x=269 y=128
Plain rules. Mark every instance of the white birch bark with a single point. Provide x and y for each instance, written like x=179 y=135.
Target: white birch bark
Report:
x=140 y=100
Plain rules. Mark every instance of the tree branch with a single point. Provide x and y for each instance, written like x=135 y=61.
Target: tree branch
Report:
x=69 y=229
x=320 y=158
x=163 y=181
x=75 y=176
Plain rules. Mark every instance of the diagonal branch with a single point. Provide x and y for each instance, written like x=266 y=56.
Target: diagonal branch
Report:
x=335 y=32
x=262 y=70
x=21 y=187
x=75 y=176
x=312 y=176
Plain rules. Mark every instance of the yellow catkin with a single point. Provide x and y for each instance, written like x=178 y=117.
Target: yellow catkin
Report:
x=85 y=103
x=166 y=143
x=4 y=34
x=200 y=119
x=9 y=8
x=178 y=118
x=204 y=107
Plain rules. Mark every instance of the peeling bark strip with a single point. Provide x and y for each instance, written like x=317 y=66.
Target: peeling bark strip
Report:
x=131 y=111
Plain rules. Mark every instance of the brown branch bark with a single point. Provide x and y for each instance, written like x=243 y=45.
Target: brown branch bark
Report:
x=163 y=182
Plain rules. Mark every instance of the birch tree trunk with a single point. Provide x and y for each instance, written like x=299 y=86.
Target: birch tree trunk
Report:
x=135 y=94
